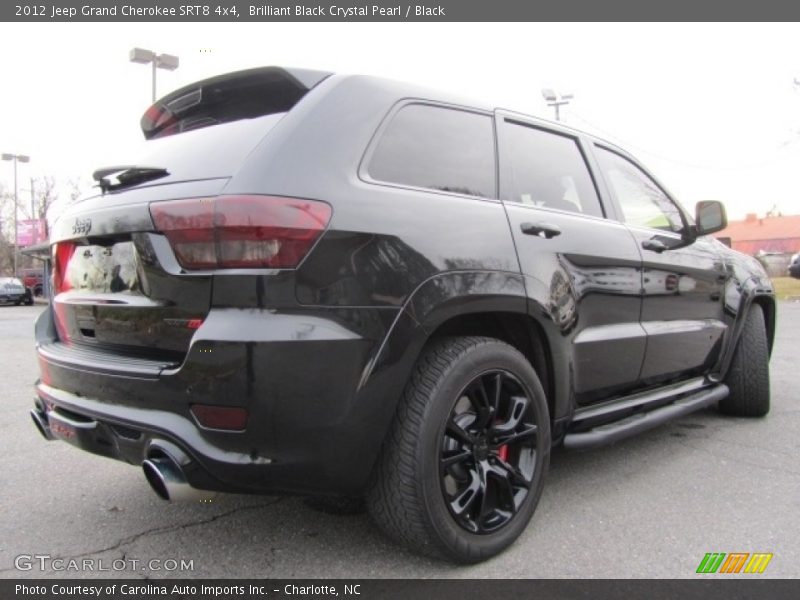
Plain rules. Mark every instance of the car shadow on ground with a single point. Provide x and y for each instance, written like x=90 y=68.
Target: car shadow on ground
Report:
x=254 y=536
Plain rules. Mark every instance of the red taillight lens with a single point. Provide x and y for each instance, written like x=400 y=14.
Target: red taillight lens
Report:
x=62 y=253
x=241 y=232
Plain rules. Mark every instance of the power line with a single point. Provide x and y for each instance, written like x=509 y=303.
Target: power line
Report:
x=613 y=138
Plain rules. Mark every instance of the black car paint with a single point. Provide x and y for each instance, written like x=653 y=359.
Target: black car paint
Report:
x=320 y=355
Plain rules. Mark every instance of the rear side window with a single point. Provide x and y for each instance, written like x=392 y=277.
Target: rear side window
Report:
x=547 y=170
x=437 y=148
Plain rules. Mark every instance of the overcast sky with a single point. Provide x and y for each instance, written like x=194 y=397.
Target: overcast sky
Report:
x=710 y=108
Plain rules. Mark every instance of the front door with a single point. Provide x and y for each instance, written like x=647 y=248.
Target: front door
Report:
x=682 y=285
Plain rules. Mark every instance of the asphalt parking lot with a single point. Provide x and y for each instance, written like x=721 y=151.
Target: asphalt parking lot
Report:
x=651 y=506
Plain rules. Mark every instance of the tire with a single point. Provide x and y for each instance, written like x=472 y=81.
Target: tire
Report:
x=748 y=376
x=442 y=495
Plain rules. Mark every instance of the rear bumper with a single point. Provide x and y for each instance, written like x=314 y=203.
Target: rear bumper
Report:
x=133 y=436
x=315 y=423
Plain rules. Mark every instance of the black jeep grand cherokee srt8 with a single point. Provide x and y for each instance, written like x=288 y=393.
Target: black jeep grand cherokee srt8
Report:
x=339 y=285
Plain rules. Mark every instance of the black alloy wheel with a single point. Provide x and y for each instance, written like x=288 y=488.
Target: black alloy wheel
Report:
x=488 y=452
x=463 y=467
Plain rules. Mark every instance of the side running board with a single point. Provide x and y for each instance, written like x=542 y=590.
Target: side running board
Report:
x=618 y=430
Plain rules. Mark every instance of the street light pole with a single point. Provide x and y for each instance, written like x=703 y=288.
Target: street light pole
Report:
x=23 y=159
x=159 y=61
x=556 y=100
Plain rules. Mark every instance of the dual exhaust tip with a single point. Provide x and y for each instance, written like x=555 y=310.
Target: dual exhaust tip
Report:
x=164 y=467
x=164 y=471
x=40 y=421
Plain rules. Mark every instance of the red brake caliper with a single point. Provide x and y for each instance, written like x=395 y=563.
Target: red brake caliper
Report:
x=502 y=452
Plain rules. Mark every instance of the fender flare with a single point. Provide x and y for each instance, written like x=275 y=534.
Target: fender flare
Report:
x=750 y=290
x=435 y=301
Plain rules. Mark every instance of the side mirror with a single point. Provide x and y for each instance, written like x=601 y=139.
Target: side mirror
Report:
x=710 y=217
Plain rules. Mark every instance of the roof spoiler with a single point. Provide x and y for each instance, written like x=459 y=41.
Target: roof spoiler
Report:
x=230 y=97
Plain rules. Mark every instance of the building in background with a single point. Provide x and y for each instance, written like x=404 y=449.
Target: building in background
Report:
x=771 y=239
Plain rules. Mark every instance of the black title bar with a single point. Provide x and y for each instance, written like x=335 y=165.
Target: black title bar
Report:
x=400 y=589
x=388 y=10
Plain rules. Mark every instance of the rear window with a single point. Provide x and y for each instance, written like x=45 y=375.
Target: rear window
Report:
x=208 y=128
x=437 y=148
x=204 y=153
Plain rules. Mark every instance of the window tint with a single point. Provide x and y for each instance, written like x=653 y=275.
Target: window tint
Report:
x=548 y=170
x=642 y=202
x=438 y=148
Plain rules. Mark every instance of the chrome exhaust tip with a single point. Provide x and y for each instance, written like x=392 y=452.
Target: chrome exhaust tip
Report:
x=168 y=481
x=40 y=420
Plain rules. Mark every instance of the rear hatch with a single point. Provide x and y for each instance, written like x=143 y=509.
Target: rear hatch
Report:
x=118 y=283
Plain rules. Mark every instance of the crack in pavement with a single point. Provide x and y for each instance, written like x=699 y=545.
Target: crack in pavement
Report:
x=714 y=434
x=728 y=457
x=158 y=530
x=749 y=446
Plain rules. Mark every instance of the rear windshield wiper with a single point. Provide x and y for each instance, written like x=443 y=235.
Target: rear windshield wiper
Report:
x=126 y=176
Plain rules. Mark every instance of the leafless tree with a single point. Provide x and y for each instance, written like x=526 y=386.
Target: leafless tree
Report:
x=43 y=195
x=77 y=188
x=38 y=200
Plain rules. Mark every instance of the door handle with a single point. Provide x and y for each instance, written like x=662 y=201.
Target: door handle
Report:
x=546 y=230
x=654 y=245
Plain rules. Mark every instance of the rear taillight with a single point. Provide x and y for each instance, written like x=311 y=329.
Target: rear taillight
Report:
x=62 y=253
x=241 y=232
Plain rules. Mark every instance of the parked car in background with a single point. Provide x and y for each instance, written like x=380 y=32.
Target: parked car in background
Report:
x=341 y=285
x=33 y=279
x=794 y=266
x=13 y=292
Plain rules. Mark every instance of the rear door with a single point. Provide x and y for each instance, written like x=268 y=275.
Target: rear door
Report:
x=682 y=285
x=581 y=269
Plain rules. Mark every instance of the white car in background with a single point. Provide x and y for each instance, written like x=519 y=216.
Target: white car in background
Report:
x=12 y=291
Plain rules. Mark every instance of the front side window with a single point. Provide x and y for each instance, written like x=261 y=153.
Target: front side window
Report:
x=643 y=203
x=437 y=148
x=547 y=170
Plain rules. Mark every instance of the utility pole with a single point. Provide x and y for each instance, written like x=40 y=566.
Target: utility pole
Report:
x=34 y=216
